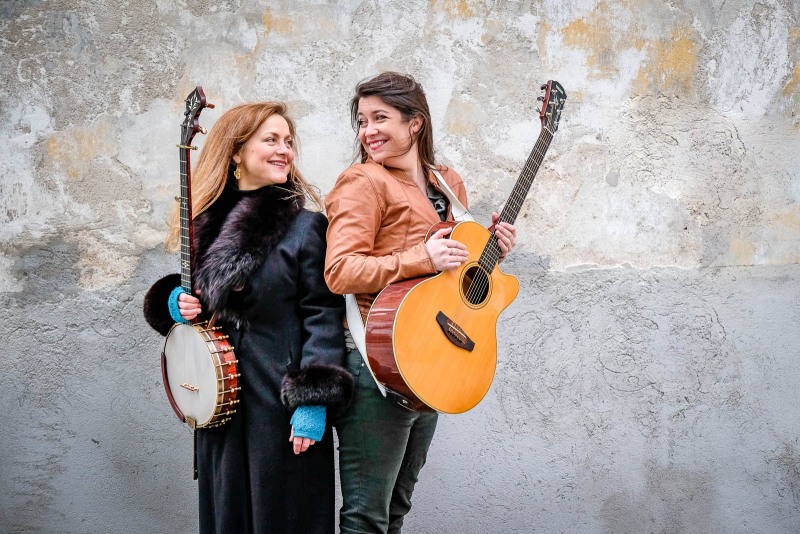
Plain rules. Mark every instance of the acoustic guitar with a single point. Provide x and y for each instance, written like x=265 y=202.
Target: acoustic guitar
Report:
x=198 y=364
x=432 y=341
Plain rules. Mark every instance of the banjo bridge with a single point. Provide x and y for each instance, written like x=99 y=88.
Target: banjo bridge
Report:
x=190 y=387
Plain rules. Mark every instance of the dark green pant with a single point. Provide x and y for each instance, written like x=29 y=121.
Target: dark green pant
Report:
x=382 y=448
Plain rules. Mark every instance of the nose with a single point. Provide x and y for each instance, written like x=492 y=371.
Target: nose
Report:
x=369 y=129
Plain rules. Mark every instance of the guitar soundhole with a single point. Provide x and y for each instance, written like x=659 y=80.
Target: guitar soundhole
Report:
x=475 y=285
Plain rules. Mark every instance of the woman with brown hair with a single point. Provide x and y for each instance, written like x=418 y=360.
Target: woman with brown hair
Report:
x=259 y=257
x=380 y=211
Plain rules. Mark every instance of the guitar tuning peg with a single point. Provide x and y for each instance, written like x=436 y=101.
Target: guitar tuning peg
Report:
x=538 y=110
x=203 y=130
x=540 y=99
x=210 y=106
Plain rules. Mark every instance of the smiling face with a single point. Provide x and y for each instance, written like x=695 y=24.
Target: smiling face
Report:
x=266 y=158
x=386 y=135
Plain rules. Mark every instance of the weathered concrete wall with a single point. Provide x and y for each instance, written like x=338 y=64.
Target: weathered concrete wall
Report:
x=648 y=373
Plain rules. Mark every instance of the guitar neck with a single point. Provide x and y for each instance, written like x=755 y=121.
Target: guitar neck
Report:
x=514 y=205
x=186 y=222
x=491 y=253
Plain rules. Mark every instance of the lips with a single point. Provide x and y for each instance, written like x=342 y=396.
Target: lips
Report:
x=375 y=145
x=281 y=164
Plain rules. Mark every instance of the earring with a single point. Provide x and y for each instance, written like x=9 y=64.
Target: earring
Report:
x=237 y=172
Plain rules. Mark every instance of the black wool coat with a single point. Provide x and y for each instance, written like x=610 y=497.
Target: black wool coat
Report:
x=259 y=265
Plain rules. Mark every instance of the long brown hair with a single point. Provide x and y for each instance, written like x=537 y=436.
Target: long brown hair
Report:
x=225 y=139
x=405 y=94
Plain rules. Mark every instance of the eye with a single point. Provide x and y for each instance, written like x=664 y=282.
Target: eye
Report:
x=361 y=123
x=270 y=139
x=380 y=117
x=290 y=143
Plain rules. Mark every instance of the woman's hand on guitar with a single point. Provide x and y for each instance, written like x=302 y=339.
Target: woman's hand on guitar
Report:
x=189 y=306
x=300 y=444
x=506 y=235
x=445 y=253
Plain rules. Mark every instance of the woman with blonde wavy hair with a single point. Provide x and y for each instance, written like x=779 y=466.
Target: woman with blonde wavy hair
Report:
x=259 y=257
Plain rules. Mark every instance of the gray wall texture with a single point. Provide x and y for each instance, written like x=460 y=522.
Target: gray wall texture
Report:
x=647 y=377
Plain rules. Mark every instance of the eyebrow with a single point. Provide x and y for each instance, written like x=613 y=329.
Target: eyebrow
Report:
x=276 y=134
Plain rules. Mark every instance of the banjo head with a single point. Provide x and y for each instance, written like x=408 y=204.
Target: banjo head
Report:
x=191 y=372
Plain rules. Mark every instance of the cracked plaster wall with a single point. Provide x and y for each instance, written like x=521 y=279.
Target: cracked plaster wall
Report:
x=647 y=372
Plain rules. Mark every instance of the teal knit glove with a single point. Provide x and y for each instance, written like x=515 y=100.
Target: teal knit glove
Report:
x=309 y=422
x=172 y=303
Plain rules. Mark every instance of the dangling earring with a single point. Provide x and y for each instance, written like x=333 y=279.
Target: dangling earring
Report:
x=237 y=172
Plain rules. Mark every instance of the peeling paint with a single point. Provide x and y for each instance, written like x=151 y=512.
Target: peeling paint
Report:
x=277 y=23
x=671 y=67
x=792 y=87
x=600 y=35
x=454 y=8
x=73 y=149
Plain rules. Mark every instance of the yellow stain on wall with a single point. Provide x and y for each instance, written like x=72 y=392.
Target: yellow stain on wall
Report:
x=461 y=117
x=742 y=251
x=671 y=65
x=454 y=8
x=601 y=40
x=793 y=85
x=72 y=150
x=792 y=88
x=277 y=24
x=541 y=38
x=791 y=221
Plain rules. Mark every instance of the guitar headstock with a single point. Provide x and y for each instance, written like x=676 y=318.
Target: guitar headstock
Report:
x=195 y=103
x=552 y=104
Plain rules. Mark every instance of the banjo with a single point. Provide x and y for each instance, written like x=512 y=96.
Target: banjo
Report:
x=198 y=365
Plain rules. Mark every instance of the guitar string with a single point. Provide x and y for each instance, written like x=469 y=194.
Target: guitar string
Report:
x=479 y=284
x=491 y=253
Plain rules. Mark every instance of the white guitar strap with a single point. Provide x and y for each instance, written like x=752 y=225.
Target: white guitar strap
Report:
x=354 y=321
x=460 y=213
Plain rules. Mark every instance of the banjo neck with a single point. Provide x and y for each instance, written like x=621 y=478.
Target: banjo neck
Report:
x=195 y=103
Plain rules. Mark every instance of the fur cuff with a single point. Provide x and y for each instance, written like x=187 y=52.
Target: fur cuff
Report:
x=156 y=303
x=327 y=385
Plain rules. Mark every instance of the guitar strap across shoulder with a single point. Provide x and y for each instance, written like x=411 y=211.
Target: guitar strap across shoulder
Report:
x=460 y=213
x=354 y=321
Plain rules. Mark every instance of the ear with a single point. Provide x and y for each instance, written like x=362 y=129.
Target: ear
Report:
x=237 y=159
x=416 y=124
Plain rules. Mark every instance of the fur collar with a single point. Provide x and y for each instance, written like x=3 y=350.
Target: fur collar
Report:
x=233 y=238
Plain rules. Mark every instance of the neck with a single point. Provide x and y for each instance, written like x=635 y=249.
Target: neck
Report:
x=410 y=164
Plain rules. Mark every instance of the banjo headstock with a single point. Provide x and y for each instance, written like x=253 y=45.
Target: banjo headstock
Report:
x=195 y=103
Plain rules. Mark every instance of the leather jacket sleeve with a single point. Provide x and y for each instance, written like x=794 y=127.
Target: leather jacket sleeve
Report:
x=356 y=211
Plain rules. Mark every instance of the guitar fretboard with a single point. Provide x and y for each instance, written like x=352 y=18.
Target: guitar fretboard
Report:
x=491 y=253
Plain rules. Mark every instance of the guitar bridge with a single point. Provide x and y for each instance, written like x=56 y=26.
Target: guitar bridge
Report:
x=454 y=333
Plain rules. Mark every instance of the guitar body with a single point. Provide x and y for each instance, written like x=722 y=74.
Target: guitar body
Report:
x=432 y=342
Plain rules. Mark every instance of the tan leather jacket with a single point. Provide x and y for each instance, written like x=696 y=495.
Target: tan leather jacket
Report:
x=378 y=221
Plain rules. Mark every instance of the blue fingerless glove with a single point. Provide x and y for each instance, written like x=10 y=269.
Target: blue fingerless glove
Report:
x=309 y=422
x=172 y=303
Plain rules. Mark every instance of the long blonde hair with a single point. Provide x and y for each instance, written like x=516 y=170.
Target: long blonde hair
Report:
x=225 y=139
